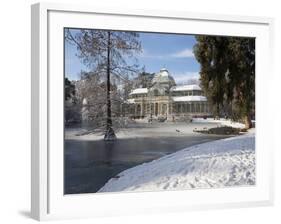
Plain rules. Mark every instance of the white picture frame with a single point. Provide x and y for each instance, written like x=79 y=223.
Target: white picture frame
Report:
x=48 y=201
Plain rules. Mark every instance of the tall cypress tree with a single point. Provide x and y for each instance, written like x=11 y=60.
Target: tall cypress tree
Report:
x=210 y=53
x=227 y=72
x=242 y=76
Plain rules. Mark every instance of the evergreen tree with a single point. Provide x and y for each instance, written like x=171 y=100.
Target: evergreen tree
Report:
x=71 y=112
x=69 y=89
x=210 y=51
x=227 y=73
x=241 y=83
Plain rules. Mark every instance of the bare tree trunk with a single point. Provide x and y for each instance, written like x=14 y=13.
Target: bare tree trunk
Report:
x=247 y=121
x=217 y=111
x=109 y=132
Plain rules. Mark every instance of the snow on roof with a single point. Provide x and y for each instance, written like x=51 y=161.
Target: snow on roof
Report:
x=185 y=88
x=130 y=100
x=139 y=91
x=189 y=98
x=163 y=77
x=163 y=72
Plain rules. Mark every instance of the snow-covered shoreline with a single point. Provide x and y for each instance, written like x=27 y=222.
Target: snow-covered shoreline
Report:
x=143 y=129
x=221 y=121
x=226 y=162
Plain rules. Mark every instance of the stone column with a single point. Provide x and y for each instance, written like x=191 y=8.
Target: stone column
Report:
x=141 y=112
x=205 y=107
x=136 y=107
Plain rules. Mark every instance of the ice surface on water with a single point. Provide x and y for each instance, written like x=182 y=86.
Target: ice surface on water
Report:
x=221 y=163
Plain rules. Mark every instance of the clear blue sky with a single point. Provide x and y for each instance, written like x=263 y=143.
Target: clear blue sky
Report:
x=172 y=51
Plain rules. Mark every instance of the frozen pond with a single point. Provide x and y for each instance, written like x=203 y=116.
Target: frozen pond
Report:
x=90 y=162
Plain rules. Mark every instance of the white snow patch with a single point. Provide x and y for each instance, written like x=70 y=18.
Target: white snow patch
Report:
x=221 y=163
x=221 y=121
x=130 y=100
x=139 y=91
x=142 y=129
x=185 y=88
x=189 y=98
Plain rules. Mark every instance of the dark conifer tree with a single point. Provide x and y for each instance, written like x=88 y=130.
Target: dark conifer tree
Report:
x=211 y=53
x=241 y=83
x=227 y=73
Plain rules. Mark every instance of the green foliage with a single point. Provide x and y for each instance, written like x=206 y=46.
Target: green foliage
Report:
x=69 y=89
x=211 y=51
x=227 y=72
x=242 y=74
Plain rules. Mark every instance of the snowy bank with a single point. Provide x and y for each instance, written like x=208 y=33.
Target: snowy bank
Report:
x=141 y=129
x=227 y=162
x=221 y=122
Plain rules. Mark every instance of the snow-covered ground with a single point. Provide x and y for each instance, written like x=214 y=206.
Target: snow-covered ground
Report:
x=226 y=162
x=141 y=129
x=221 y=122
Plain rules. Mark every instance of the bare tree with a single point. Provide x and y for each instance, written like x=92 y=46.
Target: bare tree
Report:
x=106 y=52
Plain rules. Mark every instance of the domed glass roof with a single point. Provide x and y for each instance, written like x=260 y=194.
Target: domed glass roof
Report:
x=164 y=77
